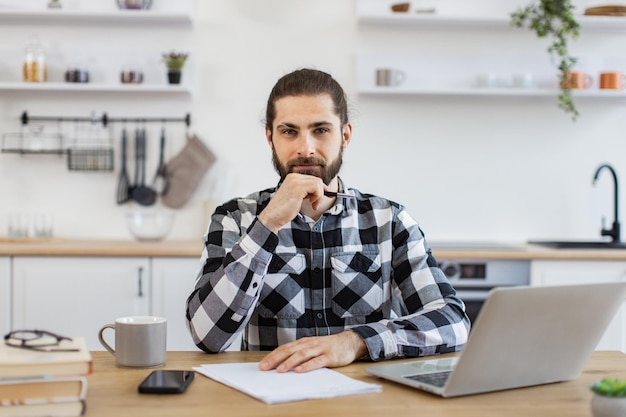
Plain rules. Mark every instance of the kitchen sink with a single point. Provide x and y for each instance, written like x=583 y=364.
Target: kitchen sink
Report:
x=579 y=244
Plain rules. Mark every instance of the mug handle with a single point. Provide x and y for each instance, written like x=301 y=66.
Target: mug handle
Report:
x=101 y=338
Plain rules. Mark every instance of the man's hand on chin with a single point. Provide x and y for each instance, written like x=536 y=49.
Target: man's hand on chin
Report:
x=311 y=353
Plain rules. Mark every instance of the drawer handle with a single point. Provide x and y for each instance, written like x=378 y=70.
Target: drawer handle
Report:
x=140 y=282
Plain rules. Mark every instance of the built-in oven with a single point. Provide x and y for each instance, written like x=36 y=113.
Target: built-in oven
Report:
x=473 y=279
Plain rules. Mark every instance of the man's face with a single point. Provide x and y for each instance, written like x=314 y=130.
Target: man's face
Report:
x=307 y=137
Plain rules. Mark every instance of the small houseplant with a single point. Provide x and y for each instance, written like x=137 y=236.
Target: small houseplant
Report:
x=609 y=399
x=175 y=61
x=554 y=19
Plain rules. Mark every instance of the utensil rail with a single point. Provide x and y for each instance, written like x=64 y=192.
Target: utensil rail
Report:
x=105 y=119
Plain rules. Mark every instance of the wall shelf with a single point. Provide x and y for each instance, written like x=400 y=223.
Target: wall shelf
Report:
x=85 y=17
x=490 y=92
x=94 y=88
x=378 y=13
x=588 y=23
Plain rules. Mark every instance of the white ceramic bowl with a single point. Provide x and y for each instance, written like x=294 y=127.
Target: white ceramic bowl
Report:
x=149 y=225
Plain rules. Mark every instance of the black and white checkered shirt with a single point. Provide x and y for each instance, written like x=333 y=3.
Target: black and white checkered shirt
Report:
x=364 y=265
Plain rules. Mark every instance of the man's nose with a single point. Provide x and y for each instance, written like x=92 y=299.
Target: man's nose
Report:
x=306 y=145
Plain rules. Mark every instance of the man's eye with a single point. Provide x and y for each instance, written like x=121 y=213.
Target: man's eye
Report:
x=321 y=130
x=288 y=132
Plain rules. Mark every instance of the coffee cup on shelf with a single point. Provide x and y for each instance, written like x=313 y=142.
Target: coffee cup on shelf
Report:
x=140 y=341
x=77 y=75
x=523 y=80
x=388 y=77
x=577 y=80
x=487 y=79
x=131 y=76
x=612 y=80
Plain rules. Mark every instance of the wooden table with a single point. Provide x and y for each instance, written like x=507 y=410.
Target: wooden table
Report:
x=112 y=391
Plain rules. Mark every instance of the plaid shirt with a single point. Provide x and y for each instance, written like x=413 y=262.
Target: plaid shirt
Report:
x=364 y=265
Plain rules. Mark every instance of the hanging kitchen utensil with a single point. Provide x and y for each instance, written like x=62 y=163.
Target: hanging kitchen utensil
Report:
x=161 y=182
x=142 y=194
x=123 y=184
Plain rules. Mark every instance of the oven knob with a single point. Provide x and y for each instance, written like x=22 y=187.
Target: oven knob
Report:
x=452 y=270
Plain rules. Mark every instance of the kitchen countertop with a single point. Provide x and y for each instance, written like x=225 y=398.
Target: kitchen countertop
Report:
x=68 y=247
x=193 y=249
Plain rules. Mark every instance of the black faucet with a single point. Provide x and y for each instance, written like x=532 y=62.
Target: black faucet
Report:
x=614 y=232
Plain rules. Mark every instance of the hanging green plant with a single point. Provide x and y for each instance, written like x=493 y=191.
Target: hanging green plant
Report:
x=553 y=19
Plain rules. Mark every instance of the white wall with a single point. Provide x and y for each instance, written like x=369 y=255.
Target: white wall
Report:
x=467 y=168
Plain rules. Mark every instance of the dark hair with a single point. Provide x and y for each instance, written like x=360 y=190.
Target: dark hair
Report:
x=307 y=82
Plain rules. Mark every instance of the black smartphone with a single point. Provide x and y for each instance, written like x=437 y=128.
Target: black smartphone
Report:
x=166 y=382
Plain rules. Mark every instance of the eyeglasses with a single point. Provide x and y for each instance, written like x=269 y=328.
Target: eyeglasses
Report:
x=41 y=340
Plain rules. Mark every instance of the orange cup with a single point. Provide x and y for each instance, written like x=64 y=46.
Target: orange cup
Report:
x=577 y=80
x=612 y=80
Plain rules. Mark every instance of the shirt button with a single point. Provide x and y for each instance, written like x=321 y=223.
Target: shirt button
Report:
x=254 y=285
x=319 y=316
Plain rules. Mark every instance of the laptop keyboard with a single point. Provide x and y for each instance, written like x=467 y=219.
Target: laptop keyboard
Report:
x=437 y=379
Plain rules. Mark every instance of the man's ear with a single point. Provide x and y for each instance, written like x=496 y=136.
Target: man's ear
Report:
x=268 y=137
x=347 y=135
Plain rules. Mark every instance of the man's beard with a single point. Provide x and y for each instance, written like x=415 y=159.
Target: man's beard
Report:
x=327 y=173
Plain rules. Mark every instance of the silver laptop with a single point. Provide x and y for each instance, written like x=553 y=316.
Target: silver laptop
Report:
x=523 y=336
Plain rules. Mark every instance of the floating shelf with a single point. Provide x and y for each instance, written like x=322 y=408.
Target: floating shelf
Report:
x=83 y=17
x=490 y=92
x=433 y=21
x=95 y=88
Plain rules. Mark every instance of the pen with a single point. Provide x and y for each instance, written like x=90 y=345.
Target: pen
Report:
x=338 y=195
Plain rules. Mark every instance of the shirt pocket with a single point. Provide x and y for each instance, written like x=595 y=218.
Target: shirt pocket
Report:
x=357 y=286
x=282 y=296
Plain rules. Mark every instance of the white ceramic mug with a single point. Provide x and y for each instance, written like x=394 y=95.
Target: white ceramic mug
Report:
x=487 y=79
x=523 y=80
x=140 y=341
x=389 y=77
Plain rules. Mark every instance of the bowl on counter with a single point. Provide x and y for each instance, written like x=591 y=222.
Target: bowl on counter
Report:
x=149 y=226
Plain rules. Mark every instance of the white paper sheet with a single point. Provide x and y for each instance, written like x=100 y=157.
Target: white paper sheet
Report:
x=272 y=387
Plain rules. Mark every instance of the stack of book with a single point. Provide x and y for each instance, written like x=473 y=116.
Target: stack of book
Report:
x=35 y=383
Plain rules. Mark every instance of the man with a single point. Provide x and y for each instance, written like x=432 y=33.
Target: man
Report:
x=321 y=280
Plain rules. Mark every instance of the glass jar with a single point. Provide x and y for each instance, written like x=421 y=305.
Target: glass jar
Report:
x=35 y=69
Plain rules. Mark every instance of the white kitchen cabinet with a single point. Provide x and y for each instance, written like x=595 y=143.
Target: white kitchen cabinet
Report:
x=5 y=294
x=76 y=296
x=172 y=282
x=586 y=272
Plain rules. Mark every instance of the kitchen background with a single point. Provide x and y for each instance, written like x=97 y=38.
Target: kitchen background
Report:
x=468 y=166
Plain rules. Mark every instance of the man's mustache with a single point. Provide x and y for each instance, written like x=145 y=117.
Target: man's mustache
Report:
x=306 y=161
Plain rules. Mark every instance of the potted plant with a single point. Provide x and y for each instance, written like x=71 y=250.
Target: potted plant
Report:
x=609 y=398
x=554 y=19
x=175 y=61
